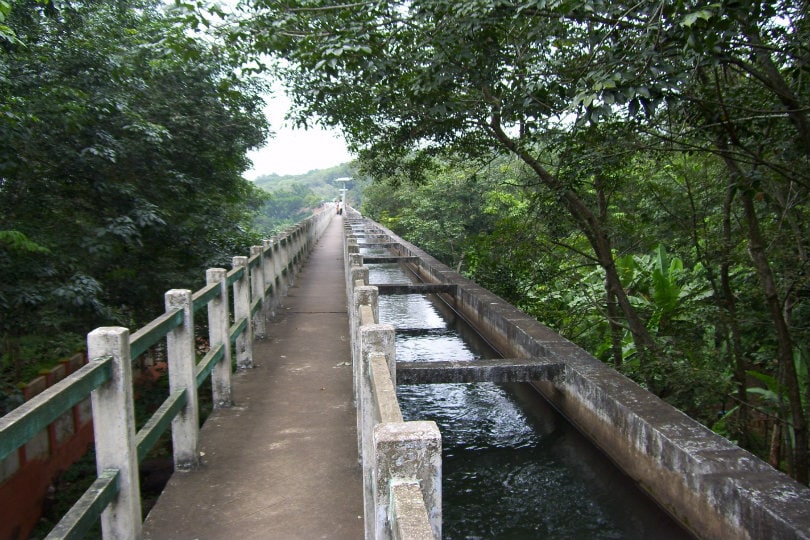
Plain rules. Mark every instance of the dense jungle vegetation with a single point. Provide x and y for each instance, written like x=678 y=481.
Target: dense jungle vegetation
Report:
x=122 y=146
x=634 y=174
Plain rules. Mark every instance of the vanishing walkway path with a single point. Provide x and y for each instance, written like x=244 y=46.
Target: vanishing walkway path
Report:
x=282 y=463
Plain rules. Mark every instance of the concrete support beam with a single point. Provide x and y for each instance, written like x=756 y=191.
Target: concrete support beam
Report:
x=383 y=260
x=418 y=288
x=378 y=244
x=386 y=405
x=499 y=370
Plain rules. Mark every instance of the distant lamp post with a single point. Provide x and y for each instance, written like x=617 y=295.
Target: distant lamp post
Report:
x=343 y=190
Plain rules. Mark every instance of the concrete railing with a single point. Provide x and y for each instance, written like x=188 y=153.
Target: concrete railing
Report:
x=401 y=461
x=711 y=486
x=257 y=283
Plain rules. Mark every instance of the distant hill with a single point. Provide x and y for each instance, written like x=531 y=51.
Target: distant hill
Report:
x=320 y=181
x=293 y=197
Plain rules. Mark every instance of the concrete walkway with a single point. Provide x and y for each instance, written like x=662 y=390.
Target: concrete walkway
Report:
x=282 y=463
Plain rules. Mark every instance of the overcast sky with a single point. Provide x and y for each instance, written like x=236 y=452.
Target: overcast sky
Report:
x=294 y=151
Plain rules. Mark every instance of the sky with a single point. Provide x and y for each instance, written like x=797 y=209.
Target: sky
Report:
x=295 y=151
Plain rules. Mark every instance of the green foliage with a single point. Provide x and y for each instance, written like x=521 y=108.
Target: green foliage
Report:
x=321 y=182
x=122 y=144
x=285 y=207
x=293 y=198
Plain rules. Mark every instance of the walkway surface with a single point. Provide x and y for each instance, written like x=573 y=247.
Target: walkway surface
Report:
x=282 y=463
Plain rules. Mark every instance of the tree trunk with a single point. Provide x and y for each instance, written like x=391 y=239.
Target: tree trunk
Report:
x=616 y=329
x=759 y=258
x=770 y=76
x=729 y=303
x=775 y=449
x=799 y=457
x=590 y=226
x=611 y=303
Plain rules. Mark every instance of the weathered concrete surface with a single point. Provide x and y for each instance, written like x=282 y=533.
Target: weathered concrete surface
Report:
x=282 y=463
x=377 y=260
x=416 y=288
x=500 y=370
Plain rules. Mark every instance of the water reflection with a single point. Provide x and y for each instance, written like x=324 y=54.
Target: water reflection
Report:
x=512 y=468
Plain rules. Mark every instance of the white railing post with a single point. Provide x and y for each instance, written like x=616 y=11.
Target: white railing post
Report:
x=218 y=324
x=283 y=276
x=295 y=235
x=182 y=376
x=241 y=309
x=303 y=247
x=257 y=291
x=114 y=430
x=286 y=258
x=278 y=266
x=270 y=293
x=347 y=261
x=351 y=247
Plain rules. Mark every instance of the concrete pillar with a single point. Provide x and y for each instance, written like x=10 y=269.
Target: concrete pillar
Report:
x=278 y=269
x=347 y=268
x=218 y=324
x=406 y=451
x=241 y=309
x=270 y=296
x=257 y=291
x=114 y=429
x=361 y=296
x=359 y=274
x=182 y=376
x=297 y=250
x=374 y=338
x=286 y=277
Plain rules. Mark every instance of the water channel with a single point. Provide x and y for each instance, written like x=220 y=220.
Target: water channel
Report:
x=513 y=468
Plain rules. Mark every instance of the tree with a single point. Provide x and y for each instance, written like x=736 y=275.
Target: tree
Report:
x=577 y=90
x=122 y=143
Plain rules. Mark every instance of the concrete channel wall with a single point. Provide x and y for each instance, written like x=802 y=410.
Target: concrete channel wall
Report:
x=401 y=461
x=711 y=486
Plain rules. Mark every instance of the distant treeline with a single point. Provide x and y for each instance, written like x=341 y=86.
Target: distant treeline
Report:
x=294 y=197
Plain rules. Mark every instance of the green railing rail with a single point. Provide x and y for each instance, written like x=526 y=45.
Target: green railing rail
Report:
x=21 y=424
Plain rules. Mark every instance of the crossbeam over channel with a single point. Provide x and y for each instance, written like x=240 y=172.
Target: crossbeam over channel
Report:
x=499 y=370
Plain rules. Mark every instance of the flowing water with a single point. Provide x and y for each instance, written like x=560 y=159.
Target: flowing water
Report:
x=513 y=468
